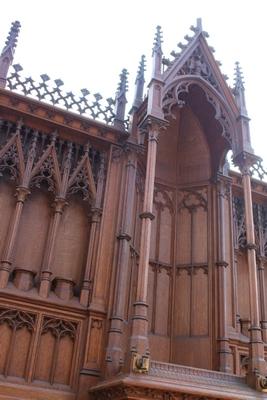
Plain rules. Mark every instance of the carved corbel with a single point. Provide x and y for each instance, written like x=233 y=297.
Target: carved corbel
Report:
x=140 y=363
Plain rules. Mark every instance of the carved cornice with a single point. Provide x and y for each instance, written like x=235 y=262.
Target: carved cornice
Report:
x=67 y=123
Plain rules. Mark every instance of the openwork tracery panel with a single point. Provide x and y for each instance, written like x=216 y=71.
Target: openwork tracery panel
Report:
x=91 y=105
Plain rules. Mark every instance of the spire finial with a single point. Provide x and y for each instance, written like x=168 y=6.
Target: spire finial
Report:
x=157 y=40
x=239 y=90
x=139 y=83
x=7 y=55
x=12 y=38
x=141 y=70
x=123 y=83
x=120 y=101
x=239 y=79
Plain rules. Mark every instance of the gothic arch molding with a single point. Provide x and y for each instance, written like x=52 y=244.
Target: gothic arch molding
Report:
x=174 y=95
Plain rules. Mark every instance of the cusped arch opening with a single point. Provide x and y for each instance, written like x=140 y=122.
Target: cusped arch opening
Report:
x=209 y=111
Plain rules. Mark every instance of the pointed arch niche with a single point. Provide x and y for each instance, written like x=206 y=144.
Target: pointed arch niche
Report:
x=190 y=154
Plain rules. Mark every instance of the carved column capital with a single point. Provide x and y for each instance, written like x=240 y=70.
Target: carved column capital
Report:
x=147 y=214
x=223 y=186
x=59 y=204
x=245 y=161
x=95 y=214
x=154 y=127
x=22 y=193
x=222 y=264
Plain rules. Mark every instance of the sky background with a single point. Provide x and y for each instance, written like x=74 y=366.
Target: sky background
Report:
x=86 y=43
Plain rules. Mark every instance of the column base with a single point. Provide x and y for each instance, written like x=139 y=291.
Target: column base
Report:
x=4 y=275
x=45 y=283
x=115 y=356
x=225 y=356
x=85 y=293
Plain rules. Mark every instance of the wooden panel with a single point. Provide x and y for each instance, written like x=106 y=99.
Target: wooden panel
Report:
x=20 y=353
x=162 y=302
x=45 y=357
x=64 y=361
x=150 y=299
x=182 y=304
x=7 y=206
x=165 y=240
x=183 y=237
x=72 y=241
x=200 y=236
x=242 y=286
x=194 y=352
x=33 y=231
x=193 y=152
x=154 y=227
x=159 y=348
x=94 y=343
x=5 y=337
x=167 y=153
x=200 y=310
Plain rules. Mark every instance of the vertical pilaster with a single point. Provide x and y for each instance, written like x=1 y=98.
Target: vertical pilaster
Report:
x=262 y=290
x=115 y=351
x=223 y=339
x=86 y=284
x=46 y=270
x=139 y=345
x=6 y=262
x=257 y=364
x=95 y=216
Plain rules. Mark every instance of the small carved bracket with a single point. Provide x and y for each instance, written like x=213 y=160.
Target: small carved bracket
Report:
x=140 y=364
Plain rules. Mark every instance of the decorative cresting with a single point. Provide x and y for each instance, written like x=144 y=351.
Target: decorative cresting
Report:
x=91 y=105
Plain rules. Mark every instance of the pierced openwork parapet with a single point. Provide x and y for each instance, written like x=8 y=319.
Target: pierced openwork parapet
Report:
x=91 y=105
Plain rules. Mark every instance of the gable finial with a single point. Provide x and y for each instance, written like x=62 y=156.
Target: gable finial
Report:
x=239 y=90
x=157 y=41
x=199 y=24
x=139 y=83
x=239 y=79
x=12 y=38
x=7 y=54
x=157 y=54
x=141 y=70
x=244 y=141
x=120 y=100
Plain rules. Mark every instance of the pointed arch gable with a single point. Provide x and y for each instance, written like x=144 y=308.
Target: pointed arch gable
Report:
x=173 y=96
x=82 y=179
x=11 y=157
x=47 y=169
